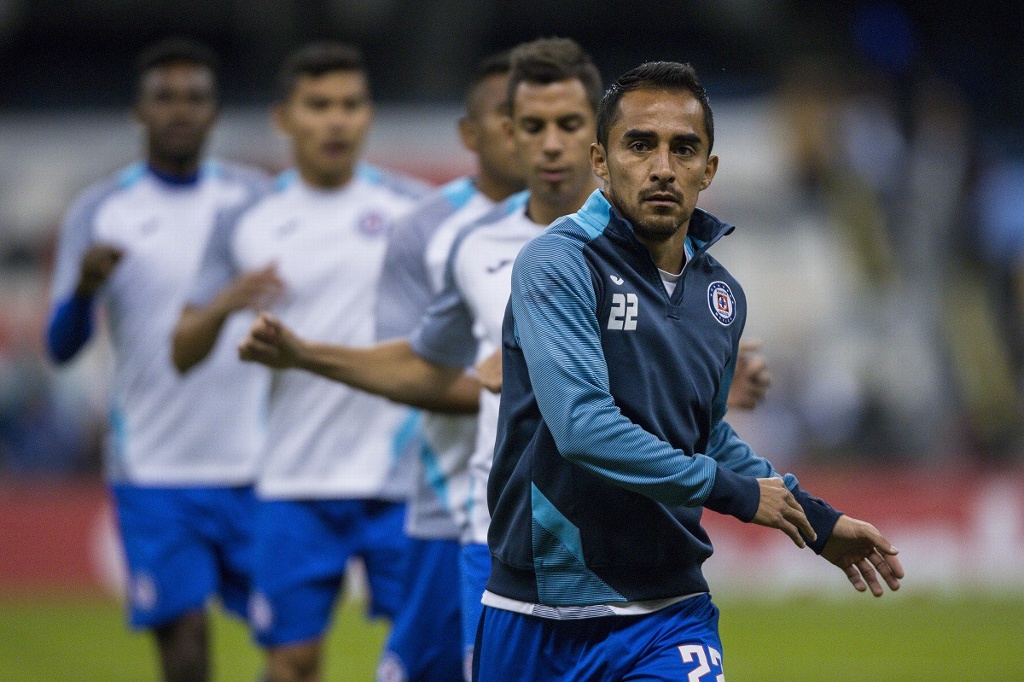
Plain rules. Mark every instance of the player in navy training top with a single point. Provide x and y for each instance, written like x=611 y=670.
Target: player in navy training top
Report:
x=619 y=345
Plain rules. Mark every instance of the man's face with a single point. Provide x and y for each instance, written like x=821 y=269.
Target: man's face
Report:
x=327 y=118
x=177 y=104
x=553 y=126
x=657 y=160
x=485 y=131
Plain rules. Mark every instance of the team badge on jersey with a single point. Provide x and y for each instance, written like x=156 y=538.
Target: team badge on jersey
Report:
x=722 y=303
x=371 y=224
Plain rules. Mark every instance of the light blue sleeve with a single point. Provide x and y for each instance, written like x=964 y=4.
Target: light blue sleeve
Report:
x=405 y=291
x=444 y=335
x=554 y=309
x=70 y=322
x=218 y=267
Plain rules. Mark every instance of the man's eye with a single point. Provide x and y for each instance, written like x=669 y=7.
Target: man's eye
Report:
x=639 y=146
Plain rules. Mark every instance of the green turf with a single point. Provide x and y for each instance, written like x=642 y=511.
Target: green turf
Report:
x=88 y=641
x=898 y=638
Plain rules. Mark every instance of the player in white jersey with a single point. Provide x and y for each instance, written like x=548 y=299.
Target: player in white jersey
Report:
x=413 y=275
x=326 y=488
x=180 y=460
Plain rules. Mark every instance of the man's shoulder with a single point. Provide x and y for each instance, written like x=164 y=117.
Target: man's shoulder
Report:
x=442 y=203
x=250 y=177
x=399 y=184
x=496 y=223
x=88 y=202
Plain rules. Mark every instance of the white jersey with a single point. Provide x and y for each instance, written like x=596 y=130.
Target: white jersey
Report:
x=203 y=428
x=463 y=326
x=413 y=275
x=324 y=439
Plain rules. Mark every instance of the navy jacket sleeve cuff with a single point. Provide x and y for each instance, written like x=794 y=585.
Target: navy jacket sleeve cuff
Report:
x=734 y=494
x=821 y=516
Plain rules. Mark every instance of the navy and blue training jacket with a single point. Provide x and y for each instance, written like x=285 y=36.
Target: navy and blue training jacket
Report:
x=611 y=436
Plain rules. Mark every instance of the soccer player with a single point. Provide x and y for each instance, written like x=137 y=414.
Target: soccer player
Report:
x=326 y=487
x=554 y=89
x=427 y=641
x=180 y=460
x=619 y=344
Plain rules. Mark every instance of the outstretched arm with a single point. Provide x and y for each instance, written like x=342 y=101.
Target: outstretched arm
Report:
x=391 y=369
x=199 y=326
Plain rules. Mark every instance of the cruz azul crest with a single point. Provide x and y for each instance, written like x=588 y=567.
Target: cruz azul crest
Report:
x=722 y=303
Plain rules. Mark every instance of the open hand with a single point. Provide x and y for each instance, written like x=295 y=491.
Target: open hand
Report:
x=864 y=554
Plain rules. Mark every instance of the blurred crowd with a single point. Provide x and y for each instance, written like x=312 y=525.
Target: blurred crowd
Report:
x=878 y=192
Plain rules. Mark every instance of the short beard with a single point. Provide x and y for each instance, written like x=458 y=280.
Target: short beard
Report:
x=655 y=232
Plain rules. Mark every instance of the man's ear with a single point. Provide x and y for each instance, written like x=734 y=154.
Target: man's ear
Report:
x=599 y=161
x=709 y=172
x=469 y=133
x=279 y=118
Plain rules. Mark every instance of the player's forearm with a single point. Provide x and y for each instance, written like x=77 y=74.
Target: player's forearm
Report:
x=393 y=370
x=196 y=334
x=69 y=328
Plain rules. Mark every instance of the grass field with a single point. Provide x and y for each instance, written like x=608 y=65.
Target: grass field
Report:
x=901 y=638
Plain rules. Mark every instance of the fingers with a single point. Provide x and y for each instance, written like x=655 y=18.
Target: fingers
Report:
x=777 y=508
x=254 y=350
x=800 y=518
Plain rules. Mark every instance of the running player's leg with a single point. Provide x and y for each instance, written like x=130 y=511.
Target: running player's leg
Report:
x=425 y=644
x=172 y=573
x=300 y=563
x=385 y=549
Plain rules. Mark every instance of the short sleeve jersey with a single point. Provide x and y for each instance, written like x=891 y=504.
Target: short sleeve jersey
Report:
x=413 y=275
x=166 y=429
x=463 y=325
x=324 y=439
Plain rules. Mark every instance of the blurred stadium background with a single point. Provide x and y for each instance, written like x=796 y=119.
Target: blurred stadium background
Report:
x=872 y=156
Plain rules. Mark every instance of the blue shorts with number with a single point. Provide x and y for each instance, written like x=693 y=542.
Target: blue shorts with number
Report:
x=679 y=642
x=302 y=550
x=425 y=644
x=184 y=545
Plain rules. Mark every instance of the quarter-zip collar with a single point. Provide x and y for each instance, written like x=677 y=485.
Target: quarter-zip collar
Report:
x=599 y=216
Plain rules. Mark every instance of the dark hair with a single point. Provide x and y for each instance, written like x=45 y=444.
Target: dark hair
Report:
x=173 y=51
x=317 y=59
x=655 y=76
x=549 y=60
x=495 y=65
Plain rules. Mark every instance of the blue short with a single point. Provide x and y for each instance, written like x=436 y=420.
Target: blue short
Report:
x=680 y=642
x=184 y=545
x=475 y=562
x=302 y=550
x=425 y=644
